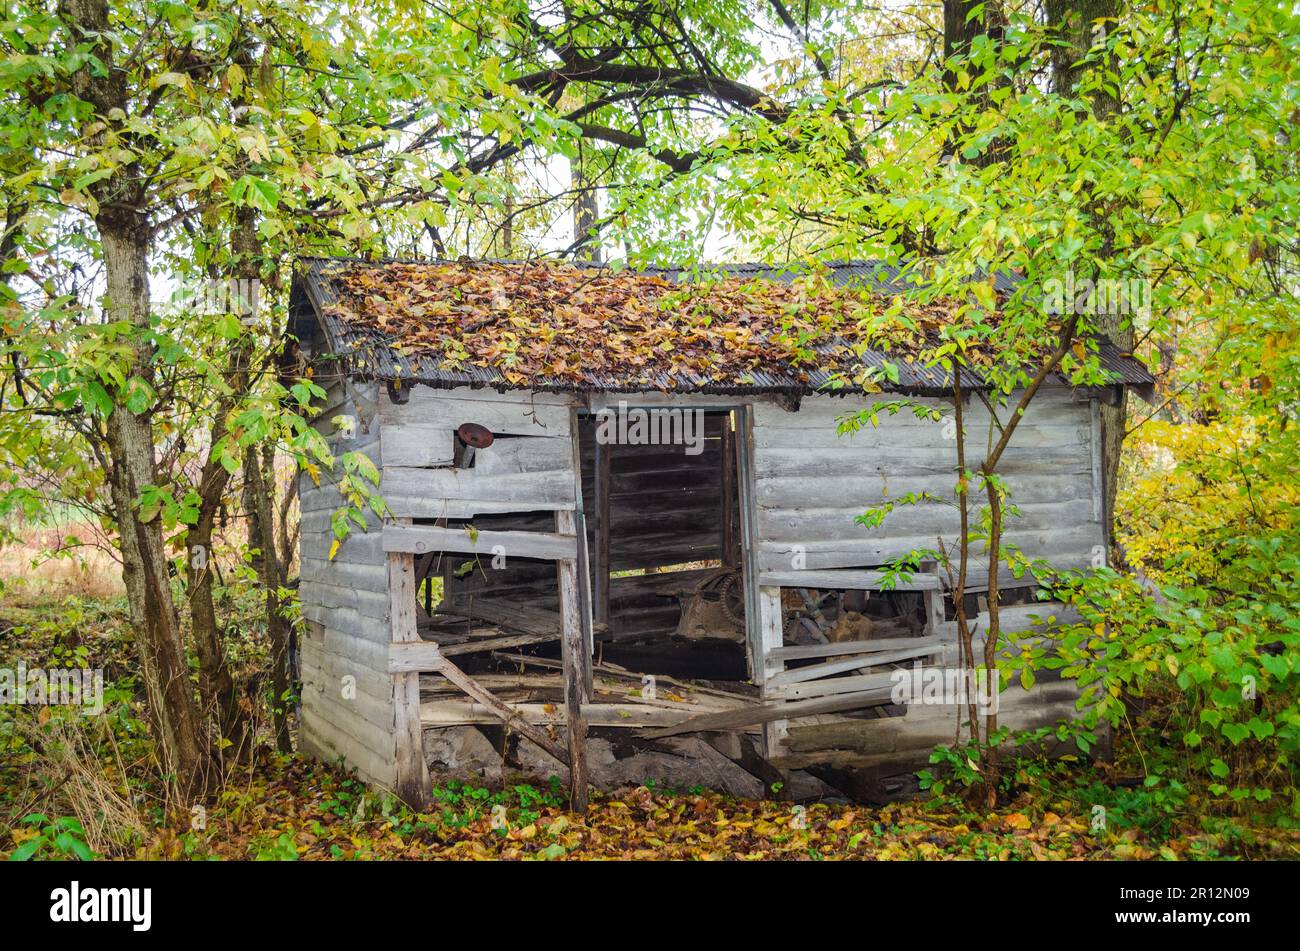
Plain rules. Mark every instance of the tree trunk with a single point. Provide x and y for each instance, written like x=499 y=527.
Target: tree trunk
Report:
x=125 y=239
x=1079 y=24
x=260 y=473
x=585 y=212
x=216 y=685
x=144 y=560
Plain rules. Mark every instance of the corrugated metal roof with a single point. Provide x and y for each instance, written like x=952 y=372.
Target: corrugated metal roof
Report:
x=366 y=353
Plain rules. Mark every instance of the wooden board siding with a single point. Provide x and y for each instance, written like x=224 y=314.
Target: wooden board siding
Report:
x=811 y=484
x=347 y=691
x=858 y=742
x=528 y=468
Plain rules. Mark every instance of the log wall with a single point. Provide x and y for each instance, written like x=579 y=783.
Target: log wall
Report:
x=347 y=691
x=811 y=483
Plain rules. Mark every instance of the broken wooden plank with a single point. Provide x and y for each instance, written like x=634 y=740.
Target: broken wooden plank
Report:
x=427 y=538
x=744 y=717
x=835 y=685
x=438 y=713
x=849 y=579
x=799 y=675
x=497 y=643
x=806 y=651
x=499 y=709
x=691 y=687
x=406 y=657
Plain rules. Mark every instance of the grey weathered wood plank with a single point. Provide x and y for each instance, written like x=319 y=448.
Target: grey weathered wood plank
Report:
x=406 y=657
x=575 y=656
x=756 y=714
x=807 y=651
x=525 y=414
x=847 y=579
x=799 y=675
x=522 y=490
x=412 y=773
x=420 y=539
x=832 y=686
x=625 y=715
x=417 y=444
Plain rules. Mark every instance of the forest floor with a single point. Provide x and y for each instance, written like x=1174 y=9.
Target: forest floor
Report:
x=102 y=800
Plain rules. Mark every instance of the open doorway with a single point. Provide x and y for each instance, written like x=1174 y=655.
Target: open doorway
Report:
x=663 y=521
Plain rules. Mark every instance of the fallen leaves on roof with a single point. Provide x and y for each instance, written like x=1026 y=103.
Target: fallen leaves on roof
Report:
x=560 y=322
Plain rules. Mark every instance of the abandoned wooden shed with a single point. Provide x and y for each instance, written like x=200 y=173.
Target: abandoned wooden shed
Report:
x=620 y=502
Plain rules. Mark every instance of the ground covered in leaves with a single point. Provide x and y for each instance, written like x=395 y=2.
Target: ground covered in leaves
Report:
x=286 y=808
x=294 y=810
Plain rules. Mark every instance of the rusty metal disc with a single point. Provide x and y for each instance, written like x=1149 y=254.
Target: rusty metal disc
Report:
x=472 y=434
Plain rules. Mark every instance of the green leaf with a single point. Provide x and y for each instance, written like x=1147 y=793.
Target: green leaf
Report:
x=1236 y=732
x=26 y=850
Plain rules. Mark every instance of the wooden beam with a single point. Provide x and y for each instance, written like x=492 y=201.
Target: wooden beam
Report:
x=421 y=539
x=497 y=643
x=743 y=717
x=576 y=628
x=747 y=492
x=405 y=657
x=500 y=710
x=834 y=686
x=600 y=573
x=412 y=773
x=848 y=578
x=816 y=671
x=805 y=651
x=772 y=637
x=730 y=535
x=604 y=715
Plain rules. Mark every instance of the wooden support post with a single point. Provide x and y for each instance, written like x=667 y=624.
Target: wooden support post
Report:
x=579 y=529
x=935 y=615
x=771 y=630
x=746 y=482
x=412 y=773
x=577 y=666
x=730 y=540
x=577 y=634
x=600 y=573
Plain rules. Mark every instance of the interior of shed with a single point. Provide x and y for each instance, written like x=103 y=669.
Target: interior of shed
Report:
x=663 y=556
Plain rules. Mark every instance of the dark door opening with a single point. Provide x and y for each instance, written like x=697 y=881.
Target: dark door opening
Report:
x=662 y=512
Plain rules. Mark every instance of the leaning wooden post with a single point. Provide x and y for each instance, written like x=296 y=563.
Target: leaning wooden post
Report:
x=573 y=652
x=576 y=633
x=412 y=773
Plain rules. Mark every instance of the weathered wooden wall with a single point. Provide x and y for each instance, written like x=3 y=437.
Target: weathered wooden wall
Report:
x=347 y=691
x=529 y=468
x=811 y=483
